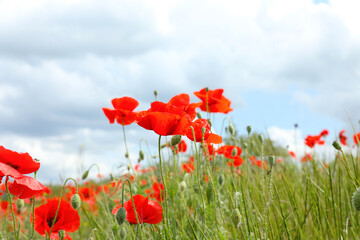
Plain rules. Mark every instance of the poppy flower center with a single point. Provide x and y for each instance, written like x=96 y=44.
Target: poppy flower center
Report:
x=50 y=221
x=13 y=166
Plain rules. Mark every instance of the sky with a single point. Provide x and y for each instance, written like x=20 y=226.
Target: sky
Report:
x=280 y=62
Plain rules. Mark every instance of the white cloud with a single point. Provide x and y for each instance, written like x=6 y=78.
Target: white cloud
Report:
x=61 y=61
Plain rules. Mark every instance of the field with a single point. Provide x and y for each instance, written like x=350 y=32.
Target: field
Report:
x=235 y=185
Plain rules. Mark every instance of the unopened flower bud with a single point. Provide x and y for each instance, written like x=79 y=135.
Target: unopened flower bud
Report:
x=337 y=145
x=203 y=130
x=75 y=201
x=19 y=203
x=61 y=234
x=141 y=155
x=248 y=129
x=261 y=138
x=121 y=215
x=85 y=175
x=175 y=140
x=245 y=145
x=234 y=152
x=199 y=115
x=355 y=200
x=231 y=129
x=236 y=217
x=155 y=94
x=206 y=89
x=271 y=160
x=210 y=122
x=122 y=233
x=182 y=186
x=221 y=179
x=127 y=155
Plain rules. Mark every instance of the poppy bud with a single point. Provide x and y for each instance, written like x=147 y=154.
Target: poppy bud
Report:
x=336 y=145
x=210 y=122
x=231 y=129
x=75 y=201
x=221 y=179
x=261 y=138
x=121 y=215
x=141 y=155
x=61 y=234
x=111 y=177
x=199 y=115
x=203 y=130
x=271 y=160
x=296 y=125
x=245 y=145
x=19 y=203
x=182 y=186
x=122 y=233
x=355 y=200
x=128 y=167
x=234 y=152
x=248 y=129
x=175 y=140
x=85 y=175
x=155 y=94
x=206 y=89
x=236 y=217
x=127 y=155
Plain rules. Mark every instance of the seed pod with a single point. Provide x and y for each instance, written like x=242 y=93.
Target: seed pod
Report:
x=75 y=201
x=199 y=115
x=271 y=160
x=121 y=215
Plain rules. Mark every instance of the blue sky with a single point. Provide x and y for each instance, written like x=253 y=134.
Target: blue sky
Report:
x=280 y=62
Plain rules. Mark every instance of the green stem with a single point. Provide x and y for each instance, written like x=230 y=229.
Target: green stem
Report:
x=164 y=183
x=11 y=207
x=58 y=207
x=127 y=150
x=132 y=200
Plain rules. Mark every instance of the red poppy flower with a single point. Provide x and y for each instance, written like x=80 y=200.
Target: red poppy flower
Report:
x=324 y=132
x=356 y=137
x=183 y=100
x=123 y=110
x=188 y=167
x=22 y=162
x=228 y=151
x=312 y=140
x=164 y=119
x=342 y=137
x=292 y=154
x=213 y=101
x=306 y=158
x=148 y=211
x=181 y=147
x=198 y=127
x=158 y=193
x=26 y=187
x=67 y=219
x=259 y=163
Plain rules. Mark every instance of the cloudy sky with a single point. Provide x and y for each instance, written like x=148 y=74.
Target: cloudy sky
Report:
x=280 y=62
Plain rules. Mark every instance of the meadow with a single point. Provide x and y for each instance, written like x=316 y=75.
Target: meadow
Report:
x=238 y=184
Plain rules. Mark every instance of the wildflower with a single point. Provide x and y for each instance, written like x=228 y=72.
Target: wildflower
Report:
x=164 y=119
x=201 y=129
x=123 y=110
x=357 y=138
x=147 y=211
x=292 y=154
x=342 y=137
x=67 y=218
x=232 y=152
x=213 y=100
x=183 y=100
